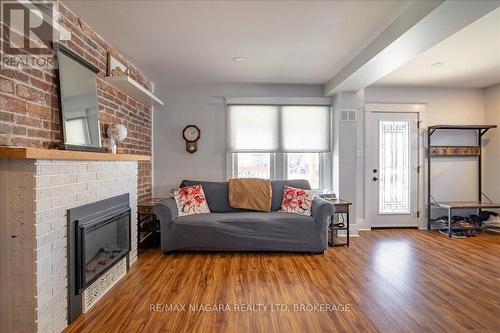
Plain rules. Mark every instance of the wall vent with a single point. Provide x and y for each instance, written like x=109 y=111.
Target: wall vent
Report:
x=347 y=115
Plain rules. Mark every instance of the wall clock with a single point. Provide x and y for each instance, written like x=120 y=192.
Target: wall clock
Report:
x=191 y=133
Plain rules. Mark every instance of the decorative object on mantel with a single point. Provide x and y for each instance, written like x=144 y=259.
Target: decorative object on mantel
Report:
x=115 y=67
x=191 y=133
x=116 y=133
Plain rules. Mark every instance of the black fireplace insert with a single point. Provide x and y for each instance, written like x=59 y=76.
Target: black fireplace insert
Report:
x=98 y=237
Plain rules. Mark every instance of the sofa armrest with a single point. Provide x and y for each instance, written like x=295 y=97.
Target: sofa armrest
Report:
x=166 y=213
x=322 y=210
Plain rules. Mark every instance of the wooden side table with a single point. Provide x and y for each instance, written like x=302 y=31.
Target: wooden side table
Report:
x=148 y=226
x=342 y=207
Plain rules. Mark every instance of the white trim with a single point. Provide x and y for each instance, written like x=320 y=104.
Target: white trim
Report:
x=419 y=108
x=279 y=101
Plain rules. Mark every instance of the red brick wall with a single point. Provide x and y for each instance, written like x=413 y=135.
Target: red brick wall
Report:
x=29 y=112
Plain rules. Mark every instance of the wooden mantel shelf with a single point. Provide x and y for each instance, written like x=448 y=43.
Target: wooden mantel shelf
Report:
x=55 y=154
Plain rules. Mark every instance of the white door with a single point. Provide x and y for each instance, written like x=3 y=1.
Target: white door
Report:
x=393 y=170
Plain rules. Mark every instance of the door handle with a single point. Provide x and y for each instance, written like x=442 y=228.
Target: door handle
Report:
x=375 y=179
x=375 y=170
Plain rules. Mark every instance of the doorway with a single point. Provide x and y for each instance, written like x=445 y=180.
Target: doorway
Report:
x=392 y=184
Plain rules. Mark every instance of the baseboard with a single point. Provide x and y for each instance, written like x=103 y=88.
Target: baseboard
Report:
x=353 y=230
x=363 y=225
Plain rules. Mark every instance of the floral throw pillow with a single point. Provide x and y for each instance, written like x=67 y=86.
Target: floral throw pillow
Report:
x=191 y=200
x=297 y=201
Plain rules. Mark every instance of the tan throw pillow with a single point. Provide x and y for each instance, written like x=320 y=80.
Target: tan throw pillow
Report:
x=250 y=193
x=191 y=200
x=297 y=201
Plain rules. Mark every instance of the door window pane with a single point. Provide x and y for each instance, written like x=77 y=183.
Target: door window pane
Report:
x=254 y=165
x=304 y=166
x=394 y=176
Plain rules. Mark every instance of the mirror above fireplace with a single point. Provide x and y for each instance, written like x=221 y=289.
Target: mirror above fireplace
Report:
x=78 y=101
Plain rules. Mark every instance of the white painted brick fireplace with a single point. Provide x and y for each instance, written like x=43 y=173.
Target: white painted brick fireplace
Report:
x=35 y=195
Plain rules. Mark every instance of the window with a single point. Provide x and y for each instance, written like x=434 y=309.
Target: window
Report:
x=280 y=142
x=394 y=182
x=254 y=165
x=304 y=166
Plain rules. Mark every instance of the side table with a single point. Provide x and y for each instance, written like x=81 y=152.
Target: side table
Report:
x=148 y=226
x=338 y=223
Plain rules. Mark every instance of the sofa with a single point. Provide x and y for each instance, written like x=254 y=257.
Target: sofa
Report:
x=229 y=229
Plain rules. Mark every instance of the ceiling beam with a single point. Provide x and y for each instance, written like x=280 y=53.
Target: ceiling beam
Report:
x=421 y=26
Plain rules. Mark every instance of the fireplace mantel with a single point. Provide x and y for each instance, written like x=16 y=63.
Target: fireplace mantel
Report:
x=55 y=154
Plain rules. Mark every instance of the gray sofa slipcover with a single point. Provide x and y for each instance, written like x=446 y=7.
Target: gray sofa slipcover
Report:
x=229 y=229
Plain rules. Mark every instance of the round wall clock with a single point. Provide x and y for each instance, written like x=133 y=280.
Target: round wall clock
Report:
x=191 y=133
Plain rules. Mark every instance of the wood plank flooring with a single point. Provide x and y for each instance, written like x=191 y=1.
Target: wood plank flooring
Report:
x=389 y=280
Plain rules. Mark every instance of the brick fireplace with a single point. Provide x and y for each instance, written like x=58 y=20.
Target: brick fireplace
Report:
x=35 y=196
x=36 y=192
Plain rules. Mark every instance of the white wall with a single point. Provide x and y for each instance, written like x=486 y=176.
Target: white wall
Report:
x=452 y=179
x=344 y=153
x=492 y=150
x=202 y=105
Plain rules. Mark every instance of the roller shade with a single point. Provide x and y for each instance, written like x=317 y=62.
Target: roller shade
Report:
x=252 y=128
x=305 y=128
x=278 y=128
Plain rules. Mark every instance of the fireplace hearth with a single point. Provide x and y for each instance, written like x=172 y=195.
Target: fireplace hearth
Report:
x=98 y=238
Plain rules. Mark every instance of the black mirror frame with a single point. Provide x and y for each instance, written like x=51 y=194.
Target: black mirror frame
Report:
x=57 y=47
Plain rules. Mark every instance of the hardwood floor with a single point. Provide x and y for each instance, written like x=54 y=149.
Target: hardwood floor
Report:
x=389 y=280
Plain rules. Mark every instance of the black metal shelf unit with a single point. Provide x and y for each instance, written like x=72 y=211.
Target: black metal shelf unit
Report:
x=454 y=151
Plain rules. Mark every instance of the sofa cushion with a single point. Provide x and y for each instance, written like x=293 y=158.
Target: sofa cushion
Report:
x=297 y=201
x=278 y=187
x=190 y=200
x=243 y=217
x=217 y=194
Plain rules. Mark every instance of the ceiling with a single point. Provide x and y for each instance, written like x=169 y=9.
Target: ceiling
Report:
x=470 y=58
x=281 y=41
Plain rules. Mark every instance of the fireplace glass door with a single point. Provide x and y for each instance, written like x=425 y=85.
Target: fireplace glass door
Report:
x=103 y=243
